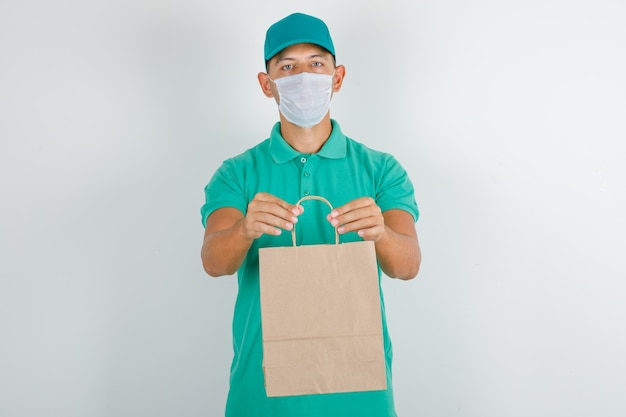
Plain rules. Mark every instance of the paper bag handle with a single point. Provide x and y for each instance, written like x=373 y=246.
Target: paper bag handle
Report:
x=313 y=197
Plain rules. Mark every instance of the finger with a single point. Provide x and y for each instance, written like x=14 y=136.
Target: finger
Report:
x=274 y=221
x=351 y=206
x=273 y=210
x=263 y=228
x=370 y=212
x=273 y=200
x=360 y=224
x=275 y=207
x=373 y=233
x=264 y=223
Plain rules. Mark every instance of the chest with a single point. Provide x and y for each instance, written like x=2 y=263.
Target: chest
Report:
x=337 y=180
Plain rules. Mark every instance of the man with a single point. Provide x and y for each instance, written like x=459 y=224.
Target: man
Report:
x=250 y=203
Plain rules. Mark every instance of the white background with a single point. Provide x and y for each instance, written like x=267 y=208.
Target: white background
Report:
x=508 y=115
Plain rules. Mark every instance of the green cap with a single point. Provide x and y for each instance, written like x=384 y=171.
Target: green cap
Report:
x=297 y=28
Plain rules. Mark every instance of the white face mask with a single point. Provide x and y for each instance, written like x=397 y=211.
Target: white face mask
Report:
x=304 y=99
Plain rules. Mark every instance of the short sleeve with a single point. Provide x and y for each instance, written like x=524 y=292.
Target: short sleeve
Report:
x=225 y=189
x=394 y=189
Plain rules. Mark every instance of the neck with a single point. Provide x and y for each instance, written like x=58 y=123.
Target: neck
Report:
x=307 y=140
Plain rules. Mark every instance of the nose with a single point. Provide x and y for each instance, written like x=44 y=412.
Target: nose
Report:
x=299 y=69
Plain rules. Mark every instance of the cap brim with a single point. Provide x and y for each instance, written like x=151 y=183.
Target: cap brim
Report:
x=291 y=42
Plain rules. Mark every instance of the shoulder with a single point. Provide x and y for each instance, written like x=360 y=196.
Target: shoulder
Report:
x=259 y=151
x=367 y=155
x=250 y=159
x=235 y=169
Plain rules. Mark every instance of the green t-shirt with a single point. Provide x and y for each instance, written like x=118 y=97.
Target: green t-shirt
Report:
x=341 y=171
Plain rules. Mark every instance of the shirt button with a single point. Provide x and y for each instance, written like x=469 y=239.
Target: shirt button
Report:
x=303 y=160
x=306 y=174
x=306 y=193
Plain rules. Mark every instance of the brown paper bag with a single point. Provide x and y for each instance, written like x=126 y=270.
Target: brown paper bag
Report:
x=321 y=318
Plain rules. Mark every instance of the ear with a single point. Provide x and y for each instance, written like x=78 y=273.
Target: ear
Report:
x=340 y=73
x=265 y=83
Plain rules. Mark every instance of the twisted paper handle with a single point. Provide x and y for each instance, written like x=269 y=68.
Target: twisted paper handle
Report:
x=313 y=197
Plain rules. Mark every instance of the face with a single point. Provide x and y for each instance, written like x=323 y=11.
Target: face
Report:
x=303 y=57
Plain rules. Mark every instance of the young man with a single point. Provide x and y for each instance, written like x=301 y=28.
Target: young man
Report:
x=250 y=204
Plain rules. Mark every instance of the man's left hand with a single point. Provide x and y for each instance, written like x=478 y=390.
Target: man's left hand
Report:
x=362 y=216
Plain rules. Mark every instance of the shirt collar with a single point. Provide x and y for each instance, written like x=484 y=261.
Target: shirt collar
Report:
x=334 y=148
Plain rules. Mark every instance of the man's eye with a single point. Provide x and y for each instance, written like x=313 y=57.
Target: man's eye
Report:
x=287 y=67
x=317 y=64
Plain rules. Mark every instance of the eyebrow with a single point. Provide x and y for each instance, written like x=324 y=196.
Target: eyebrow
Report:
x=280 y=58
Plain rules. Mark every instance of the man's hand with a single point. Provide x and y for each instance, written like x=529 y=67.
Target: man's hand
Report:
x=362 y=216
x=229 y=234
x=397 y=248
x=268 y=214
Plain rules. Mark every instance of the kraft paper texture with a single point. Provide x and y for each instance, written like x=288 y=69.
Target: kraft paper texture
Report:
x=321 y=319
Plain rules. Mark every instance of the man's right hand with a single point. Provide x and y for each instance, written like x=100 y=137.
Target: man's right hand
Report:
x=268 y=214
x=229 y=234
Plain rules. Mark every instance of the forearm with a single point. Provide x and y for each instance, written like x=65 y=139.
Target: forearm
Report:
x=399 y=255
x=224 y=251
